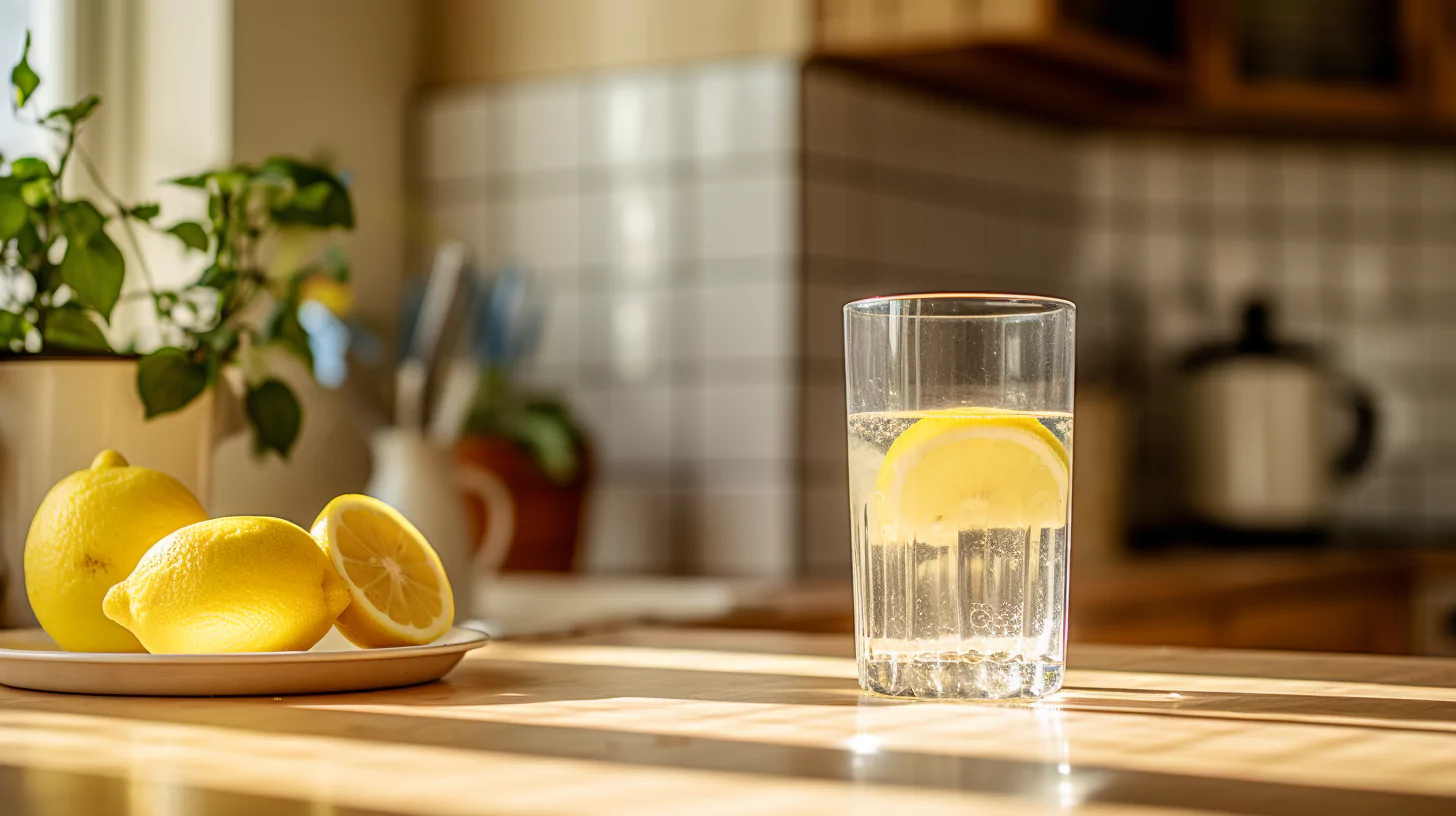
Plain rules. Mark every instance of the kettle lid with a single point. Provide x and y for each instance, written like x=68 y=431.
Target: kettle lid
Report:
x=1256 y=339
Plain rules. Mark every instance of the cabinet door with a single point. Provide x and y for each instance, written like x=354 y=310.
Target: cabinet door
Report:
x=1344 y=60
x=1369 y=623
x=1150 y=627
x=1440 y=57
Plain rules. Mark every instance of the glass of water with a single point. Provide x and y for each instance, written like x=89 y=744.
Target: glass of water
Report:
x=960 y=479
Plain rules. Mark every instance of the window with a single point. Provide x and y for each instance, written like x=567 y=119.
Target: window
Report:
x=49 y=52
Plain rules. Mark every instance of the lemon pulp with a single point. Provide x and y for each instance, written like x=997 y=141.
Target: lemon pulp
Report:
x=972 y=469
x=400 y=593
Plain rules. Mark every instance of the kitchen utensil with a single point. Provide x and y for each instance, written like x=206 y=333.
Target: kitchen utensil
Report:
x=412 y=473
x=1260 y=432
x=440 y=316
x=29 y=659
x=505 y=327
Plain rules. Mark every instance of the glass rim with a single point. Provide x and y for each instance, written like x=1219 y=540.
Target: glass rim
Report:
x=1049 y=304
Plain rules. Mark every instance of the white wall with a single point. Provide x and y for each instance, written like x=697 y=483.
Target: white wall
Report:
x=325 y=79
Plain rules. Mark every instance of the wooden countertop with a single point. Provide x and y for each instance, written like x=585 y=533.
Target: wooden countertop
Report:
x=655 y=721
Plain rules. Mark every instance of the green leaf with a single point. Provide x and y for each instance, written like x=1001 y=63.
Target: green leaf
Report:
x=190 y=233
x=13 y=212
x=94 y=270
x=199 y=181
x=275 y=415
x=282 y=328
x=335 y=263
x=73 y=328
x=13 y=327
x=36 y=193
x=77 y=113
x=552 y=444
x=335 y=209
x=145 y=212
x=81 y=220
x=217 y=277
x=232 y=180
x=168 y=379
x=29 y=167
x=23 y=79
x=313 y=197
x=29 y=244
x=222 y=340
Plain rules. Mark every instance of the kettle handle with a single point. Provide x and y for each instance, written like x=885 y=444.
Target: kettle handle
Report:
x=1358 y=452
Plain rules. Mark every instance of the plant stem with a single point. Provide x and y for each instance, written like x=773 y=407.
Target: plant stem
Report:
x=123 y=215
x=163 y=318
x=65 y=159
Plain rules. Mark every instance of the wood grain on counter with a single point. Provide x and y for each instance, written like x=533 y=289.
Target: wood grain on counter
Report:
x=703 y=721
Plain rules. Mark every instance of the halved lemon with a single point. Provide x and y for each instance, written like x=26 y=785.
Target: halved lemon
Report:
x=953 y=471
x=398 y=589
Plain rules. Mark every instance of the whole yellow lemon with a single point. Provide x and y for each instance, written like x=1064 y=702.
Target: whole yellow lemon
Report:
x=238 y=584
x=88 y=534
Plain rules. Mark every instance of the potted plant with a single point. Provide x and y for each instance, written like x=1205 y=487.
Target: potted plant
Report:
x=525 y=464
x=70 y=386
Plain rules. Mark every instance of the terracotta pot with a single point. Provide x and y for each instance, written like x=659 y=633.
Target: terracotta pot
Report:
x=523 y=520
x=55 y=416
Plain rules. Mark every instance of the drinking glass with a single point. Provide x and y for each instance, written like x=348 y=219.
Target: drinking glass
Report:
x=960 y=462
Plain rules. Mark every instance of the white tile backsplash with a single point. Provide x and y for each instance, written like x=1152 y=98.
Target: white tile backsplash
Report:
x=541 y=121
x=744 y=321
x=1368 y=179
x=630 y=119
x=640 y=322
x=457 y=136
x=1230 y=170
x=826 y=530
x=742 y=107
x=747 y=531
x=659 y=206
x=639 y=428
x=1436 y=184
x=749 y=421
x=629 y=528
x=750 y=217
x=560 y=336
x=542 y=230
x=1162 y=169
x=631 y=230
x=823 y=427
x=469 y=219
x=697 y=321
x=1300 y=174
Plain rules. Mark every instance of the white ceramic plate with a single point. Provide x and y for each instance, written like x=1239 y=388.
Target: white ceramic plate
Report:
x=29 y=660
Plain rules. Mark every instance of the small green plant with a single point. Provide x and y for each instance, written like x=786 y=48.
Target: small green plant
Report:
x=62 y=274
x=506 y=330
x=542 y=426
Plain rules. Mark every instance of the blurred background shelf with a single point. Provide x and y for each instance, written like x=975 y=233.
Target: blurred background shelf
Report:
x=1317 y=68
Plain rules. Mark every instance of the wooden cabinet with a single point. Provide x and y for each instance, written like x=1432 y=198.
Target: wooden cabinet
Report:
x=1058 y=31
x=1375 y=66
x=1333 y=601
x=1334 y=604
x=1046 y=57
x=1332 y=59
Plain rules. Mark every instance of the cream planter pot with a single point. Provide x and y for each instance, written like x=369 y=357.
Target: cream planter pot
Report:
x=55 y=415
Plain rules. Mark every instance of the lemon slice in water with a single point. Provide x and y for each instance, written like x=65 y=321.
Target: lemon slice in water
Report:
x=400 y=595
x=953 y=471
